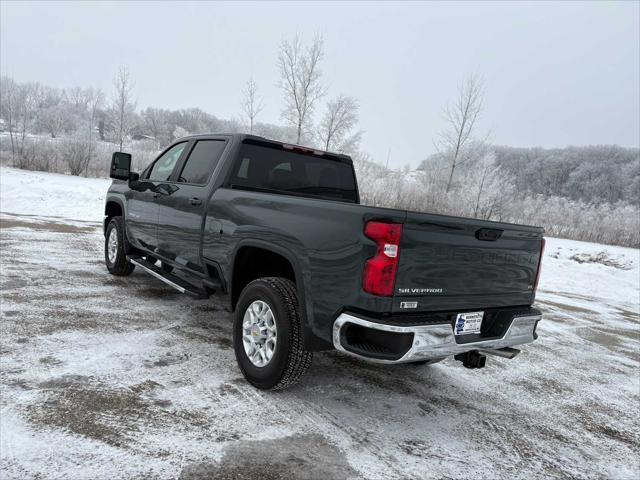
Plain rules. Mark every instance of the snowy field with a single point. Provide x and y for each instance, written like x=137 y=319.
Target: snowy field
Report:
x=106 y=377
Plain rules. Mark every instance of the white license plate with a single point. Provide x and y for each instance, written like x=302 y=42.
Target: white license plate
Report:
x=467 y=323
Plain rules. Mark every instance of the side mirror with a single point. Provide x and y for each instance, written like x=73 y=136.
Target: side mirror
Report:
x=120 y=166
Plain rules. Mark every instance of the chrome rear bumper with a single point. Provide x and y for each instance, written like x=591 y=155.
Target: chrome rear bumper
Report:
x=437 y=341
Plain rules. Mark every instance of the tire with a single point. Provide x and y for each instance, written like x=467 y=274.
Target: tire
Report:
x=118 y=264
x=289 y=360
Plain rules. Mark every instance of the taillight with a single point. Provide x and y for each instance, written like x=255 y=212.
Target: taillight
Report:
x=380 y=271
x=535 y=285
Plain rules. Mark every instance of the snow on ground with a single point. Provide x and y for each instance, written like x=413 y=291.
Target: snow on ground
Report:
x=564 y=275
x=106 y=377
x=52 y=195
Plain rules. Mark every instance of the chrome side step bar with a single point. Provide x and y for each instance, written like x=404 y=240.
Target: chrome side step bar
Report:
x=173 y=281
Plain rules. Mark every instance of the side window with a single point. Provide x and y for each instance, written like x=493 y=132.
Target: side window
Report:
x=163 y=166
x=202 y=161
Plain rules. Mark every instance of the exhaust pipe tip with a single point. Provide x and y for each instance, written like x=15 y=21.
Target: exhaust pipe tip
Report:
x=506 y=352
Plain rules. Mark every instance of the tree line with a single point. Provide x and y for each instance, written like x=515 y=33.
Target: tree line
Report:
x=88 y=115
x=589 y=193
x=592 y=174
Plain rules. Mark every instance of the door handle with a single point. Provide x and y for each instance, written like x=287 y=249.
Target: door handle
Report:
x=156 y=195
x=195 y=201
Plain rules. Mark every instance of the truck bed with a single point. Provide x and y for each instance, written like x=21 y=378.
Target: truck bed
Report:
x=442 y=267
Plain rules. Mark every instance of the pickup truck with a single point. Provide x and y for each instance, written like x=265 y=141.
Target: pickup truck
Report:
x=277 y=230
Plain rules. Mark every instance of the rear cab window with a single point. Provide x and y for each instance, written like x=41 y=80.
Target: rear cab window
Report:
x=273 y=168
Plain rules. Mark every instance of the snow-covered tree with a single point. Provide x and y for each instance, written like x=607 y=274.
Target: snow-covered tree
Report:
x=300 y=81
x=55 y=119
x=252 y=104
x=336 y=127
x=122 y=111
x=95 y=99
x=179 y=132
x=461 y=118
x=19 y=105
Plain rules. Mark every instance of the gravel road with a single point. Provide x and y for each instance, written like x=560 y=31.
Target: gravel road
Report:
x=106 y=377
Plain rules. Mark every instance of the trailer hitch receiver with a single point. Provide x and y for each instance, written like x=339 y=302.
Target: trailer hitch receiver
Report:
x=472 y=359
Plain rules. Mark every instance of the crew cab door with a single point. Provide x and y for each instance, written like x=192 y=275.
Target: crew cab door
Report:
x=181 y=210
x=142 y=206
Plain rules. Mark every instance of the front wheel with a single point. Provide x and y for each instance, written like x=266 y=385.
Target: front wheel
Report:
x=114 y=255
x=267 y=334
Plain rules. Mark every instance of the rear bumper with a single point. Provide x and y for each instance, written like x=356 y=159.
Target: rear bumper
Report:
x=400 y=344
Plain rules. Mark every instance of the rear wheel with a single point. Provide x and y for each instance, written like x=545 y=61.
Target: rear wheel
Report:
x=267 y=335
x=114 y=254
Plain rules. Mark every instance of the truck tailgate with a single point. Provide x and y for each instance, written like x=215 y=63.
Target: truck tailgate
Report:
x=468 y=263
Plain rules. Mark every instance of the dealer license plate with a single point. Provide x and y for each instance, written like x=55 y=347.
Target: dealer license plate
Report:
x=469 y=322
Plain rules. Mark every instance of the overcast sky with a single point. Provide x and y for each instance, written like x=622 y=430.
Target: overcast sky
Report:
x=555 y=74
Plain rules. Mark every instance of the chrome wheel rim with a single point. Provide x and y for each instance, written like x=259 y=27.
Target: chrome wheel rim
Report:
x=112 y=246
x=259 y=334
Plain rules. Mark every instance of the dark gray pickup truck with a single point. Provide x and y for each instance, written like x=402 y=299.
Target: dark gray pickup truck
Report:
x=279 y=231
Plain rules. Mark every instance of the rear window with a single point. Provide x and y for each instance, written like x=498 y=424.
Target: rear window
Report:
x=202 y=161
x=279 y=170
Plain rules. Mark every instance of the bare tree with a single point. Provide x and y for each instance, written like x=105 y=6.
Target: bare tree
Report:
x=158 y=123
x=54 y=119
x=75 y=151
x=8 y=107
x=300 y=80
x=195 y=120
x=19 y=105
x=78 y=98
x=95 y=100
x=339 y=119
x=122 y=106
x=151 y=121
x=462 y=117
x=252 y=104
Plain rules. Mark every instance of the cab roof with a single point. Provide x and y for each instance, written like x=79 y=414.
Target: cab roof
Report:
x=256 y=139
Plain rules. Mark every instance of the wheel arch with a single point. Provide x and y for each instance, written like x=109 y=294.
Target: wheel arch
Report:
x=113 y=207
x=251 y=247
x=235 y=286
